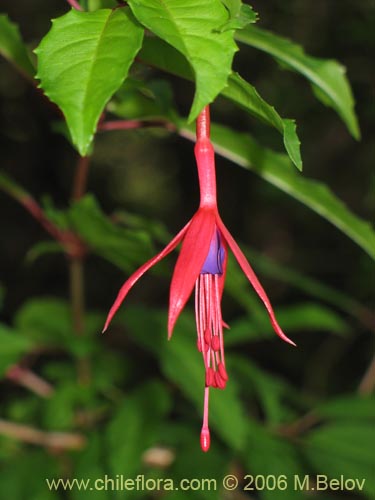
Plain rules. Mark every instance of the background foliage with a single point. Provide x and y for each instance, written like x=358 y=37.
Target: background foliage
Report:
x=111 y=398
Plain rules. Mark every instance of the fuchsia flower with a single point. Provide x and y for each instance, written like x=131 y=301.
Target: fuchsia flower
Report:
x=202 y=262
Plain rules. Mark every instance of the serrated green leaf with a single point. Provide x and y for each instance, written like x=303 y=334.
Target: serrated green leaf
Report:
x=326 y=74
x=245 y=95
x=240 y=15
x=12 y=46
x=197 y=37
x=240 y=92
x=81 y=76
x=276 y=169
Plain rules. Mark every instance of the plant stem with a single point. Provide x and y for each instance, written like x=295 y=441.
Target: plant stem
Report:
x=76 y=275
x=80 y=180
x=367 y=384
x=30 y=380
x=134 y=124
x=77 y=294
x=57 y=440
x=74 y=4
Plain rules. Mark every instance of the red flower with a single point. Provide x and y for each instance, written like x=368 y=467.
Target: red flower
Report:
x=202 y=262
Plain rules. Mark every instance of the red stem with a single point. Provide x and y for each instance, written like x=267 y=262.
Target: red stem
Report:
x=80 y=181
x=205 y=156
x=74 y=4
x=203 y=124
x=134 y=124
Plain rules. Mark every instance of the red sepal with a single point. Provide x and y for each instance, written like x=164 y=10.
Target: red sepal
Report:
x=251 y=276
x=193 y=253
x=137 y=274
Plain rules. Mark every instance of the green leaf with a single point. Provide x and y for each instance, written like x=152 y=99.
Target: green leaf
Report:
x=344 y=449
x=307 y=317
x=245 y=95
x=136 y=426
x=82 y=81
x=159 y=54
x=327 y=75
x=123 y=247
x=43 y=248
x=12 y=347
x=270 y=455
x=48 y=321
x=146 y=101
x=12 y=46
x=276 y=169
x=89 y=465
x=271 y=390
x=240 y=15
x=20 y=476
x=197 y=37
x=309 y=285
x=348 y=408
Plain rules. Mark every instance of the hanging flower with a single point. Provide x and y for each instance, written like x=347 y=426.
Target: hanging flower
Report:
x=202 y=263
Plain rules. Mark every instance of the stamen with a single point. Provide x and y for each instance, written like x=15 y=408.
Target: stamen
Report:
x=210 y=326
x=205 y=432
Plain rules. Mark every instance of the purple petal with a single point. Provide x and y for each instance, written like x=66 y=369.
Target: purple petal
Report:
x=216 y=256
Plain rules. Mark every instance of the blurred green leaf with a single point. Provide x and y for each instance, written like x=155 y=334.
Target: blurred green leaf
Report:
x=43 y=248
x=123 y=247
x=345 y=449
x=21 y=476
x=134 y=427
x=13 y=347
x=276 y=169
x=328 y=75
x=48 y=321
x=90 y=464
x=296 y=318
x=348 y=408
x=12 y=46
x=59 y=410
x=271 y=390
x=209 y=52
x=9 y=186
x=307 y=284
x=271 y=455
x=144 y=100
x=108 y=41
